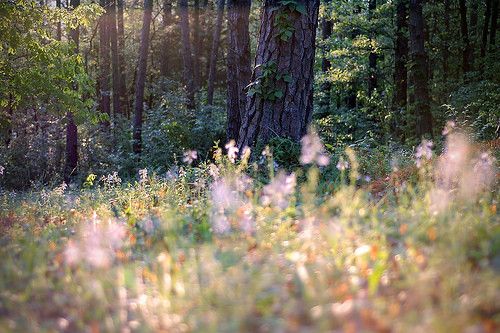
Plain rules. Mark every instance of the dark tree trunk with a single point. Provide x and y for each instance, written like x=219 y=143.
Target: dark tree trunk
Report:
x=167 y=20
x=464 y=29
x=215 y=50
x=494 y=21
x=238 y=63
x=187 y=57
x=196 y=45
x=484 y=39
x=372 y=58
x=326 y=86
x=419 y=72
x=141 y=76
x=400 y=63
x=104 y=61
x=473 y=35
x=446 y=52
x=59 y=28
x=71 y=164
x=282 y=82
x=124 y=101
x=115 y=59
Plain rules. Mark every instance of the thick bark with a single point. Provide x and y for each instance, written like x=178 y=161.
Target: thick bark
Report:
x=326 y=65
x=187 y=57
x=196 y=45
x=167 y=20
x=124 y=101
x=238 y=63
x=104 y=61
x=71 y=164
x=115 y=59
x=486 y=26
x=372 y=58
x=282 y=104
x=494 y=21
x=419 y=72
x=141 y=76
x=215 y=50
x=401 y=56
x=464 y=30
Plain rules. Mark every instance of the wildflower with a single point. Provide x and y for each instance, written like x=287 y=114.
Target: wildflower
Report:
x=449 y=127
x=190 y=156
x=220 y=223
x=2 y=169
x=143 y=175
x=313 y=150
x=60 y=189
x=232 y=150
x=213 y=170
x=278 y=192
x=246 y=153
x=172 y=173
x=342 y=165
x=424 y=151
x=111 y=179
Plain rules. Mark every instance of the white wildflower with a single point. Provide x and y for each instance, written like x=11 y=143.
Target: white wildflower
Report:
x=190 y=156
x=232 y=150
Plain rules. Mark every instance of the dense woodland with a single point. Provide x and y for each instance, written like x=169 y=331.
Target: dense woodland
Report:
x=249 y=166
x=120 y=85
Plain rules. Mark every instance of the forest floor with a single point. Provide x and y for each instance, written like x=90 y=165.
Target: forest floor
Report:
x=210 y=248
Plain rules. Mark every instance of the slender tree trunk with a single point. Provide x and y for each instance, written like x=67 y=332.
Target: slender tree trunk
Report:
x=281 y=100
x=400 y=69
x=104 y=61
x=351 y=99
x=59 y=28
x=326 y=86
x=215 y=50
x=494 y=22
x=71 y=164
x=419 y=73
x=141 y=76
x=473 y=35
x=167 y=20
x=124 y=101
x=484 y=39
x=465 y=37
x=372 y=58
x=187 y=56
x=238 y=63
x=196 y=45
x=446 y=51
x=115 y=59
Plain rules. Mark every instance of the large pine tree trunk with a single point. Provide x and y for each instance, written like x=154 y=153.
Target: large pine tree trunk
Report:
x=400 y=63
x=464 y=29
x=372 y=58
x=326 y=86
x=104 y=61
x=115 y=59
x=71 y=164
x=238 y=63
x=281 y=100
x=419 y=72
x=141 y=76
x=215 y=50
x=124 y=101
x=187 y=56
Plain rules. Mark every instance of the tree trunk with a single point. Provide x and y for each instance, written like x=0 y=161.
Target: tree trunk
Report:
x=419 y=74
x=494 y=21
x=59 y=28
x=372 y=58
x=484 y=39
x=167 y=20
x=215 y=50
x=187 y=57
x=473 y=35
x=124 y=101
x=446 y=51
x=115 y=59
x=104 y=60
x=196 y=45
x=238 y=63
x=141 y=76
x=281 y=95
x=400 y=63
x=71 y=164
x=465 y=37
x=326 y=86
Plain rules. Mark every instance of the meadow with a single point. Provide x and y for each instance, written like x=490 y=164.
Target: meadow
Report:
x=236 y=244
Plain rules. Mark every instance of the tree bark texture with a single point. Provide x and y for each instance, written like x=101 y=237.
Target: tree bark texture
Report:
x=104 y=60
x=486 y=29
x=124 y=101
x=289 y=113
x=372 y=58
x=115 y=59
x=239 y=65
x=187 y=56
x=166 y=44
x=326 y=86
x=494 y=22
x=419 y=72
x=401 y=55
x=464 y=30
x=141 y=76
x=215 y=50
